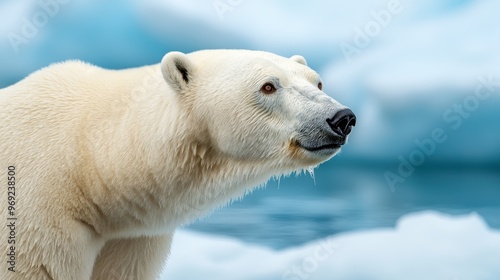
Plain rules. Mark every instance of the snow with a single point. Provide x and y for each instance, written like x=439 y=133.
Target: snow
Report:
x=425 y=245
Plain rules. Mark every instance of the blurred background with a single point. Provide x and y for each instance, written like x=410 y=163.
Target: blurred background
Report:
x=422 y=77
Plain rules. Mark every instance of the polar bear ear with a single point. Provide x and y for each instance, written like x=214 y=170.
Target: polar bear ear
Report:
x=177 y=70
x=299 y=59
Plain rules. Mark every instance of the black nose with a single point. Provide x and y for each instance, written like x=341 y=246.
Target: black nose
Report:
x=342 y=122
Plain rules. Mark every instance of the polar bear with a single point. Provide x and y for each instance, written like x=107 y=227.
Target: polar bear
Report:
x=101 y=166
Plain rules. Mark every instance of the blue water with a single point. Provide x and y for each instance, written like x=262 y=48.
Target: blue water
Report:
x=350 y=197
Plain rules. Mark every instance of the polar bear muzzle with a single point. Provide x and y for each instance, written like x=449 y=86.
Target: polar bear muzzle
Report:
x=325 y=137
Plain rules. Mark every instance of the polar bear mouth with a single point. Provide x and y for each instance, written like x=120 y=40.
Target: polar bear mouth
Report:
x=322 y=148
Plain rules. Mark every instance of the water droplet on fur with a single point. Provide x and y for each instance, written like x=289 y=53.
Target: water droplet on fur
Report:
x=310 y=170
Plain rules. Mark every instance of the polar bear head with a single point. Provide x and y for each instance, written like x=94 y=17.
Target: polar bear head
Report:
x=257 y=106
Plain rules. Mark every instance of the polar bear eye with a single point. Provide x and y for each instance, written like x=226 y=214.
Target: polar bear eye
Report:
x=320 y=86
x=268 y=88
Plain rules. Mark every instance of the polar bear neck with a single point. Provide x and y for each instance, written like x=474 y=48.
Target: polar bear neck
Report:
x=200 y=178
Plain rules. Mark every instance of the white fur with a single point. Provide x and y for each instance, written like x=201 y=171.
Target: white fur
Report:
x=110 y=163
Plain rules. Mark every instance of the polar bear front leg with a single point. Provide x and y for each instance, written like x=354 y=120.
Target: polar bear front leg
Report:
x=130 y=259
x=53 y=251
